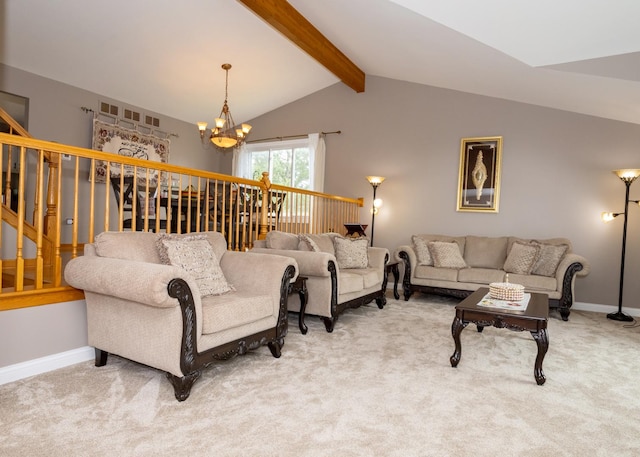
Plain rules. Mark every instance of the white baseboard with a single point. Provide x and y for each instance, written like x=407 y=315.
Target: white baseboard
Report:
x=52 y=362
x=605 y=309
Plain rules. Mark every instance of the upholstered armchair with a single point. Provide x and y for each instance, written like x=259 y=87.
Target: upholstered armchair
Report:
x=341 y=273
x=180 y=302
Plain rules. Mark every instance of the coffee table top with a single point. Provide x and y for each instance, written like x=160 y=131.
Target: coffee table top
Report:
x=537 y=309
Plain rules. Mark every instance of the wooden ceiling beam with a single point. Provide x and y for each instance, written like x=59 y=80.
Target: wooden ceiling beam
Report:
x=288 y=21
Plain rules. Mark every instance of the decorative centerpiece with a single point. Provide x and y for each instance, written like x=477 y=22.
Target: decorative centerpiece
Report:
x=506 y=291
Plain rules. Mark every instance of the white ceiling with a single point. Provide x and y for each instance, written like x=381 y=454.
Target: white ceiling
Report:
x=165 y=56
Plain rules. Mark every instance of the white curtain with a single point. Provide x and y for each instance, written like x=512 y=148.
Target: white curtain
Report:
x=317 y=150
x=241 y=165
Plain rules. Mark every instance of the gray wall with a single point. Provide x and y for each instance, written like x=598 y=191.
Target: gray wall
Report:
x=556 y=169
x=556 y=176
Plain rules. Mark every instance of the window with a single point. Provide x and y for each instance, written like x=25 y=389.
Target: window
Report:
x=287 y=166
x=294 y=163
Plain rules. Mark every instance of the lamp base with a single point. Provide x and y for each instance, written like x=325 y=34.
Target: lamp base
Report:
x=619 y=316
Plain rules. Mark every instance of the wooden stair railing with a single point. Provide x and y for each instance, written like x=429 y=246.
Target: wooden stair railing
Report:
x=50 y=219
x=192 y=200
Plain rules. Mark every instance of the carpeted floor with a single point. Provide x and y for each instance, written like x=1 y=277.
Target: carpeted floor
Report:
x=380 y=385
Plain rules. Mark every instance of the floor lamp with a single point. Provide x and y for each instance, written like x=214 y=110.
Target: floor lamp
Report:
x=375 y=181
x=627 y=176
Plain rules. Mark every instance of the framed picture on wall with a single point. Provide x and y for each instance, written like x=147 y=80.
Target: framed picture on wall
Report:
x=479 y=176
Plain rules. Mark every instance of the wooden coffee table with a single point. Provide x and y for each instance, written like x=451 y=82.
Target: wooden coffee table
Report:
x=533 y=319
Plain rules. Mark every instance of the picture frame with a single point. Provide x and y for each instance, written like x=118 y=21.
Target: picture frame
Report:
x=479 y=175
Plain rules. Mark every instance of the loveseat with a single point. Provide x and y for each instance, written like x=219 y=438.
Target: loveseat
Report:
x=341 y=272
x=179 y=302
x=458 y=265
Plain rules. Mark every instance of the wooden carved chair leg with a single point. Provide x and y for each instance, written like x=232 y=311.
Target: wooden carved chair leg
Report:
x=329 y=323
x=276 y=349
x=182 y=385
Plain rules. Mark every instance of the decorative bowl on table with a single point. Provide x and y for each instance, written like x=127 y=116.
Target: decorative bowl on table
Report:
x=506 y=291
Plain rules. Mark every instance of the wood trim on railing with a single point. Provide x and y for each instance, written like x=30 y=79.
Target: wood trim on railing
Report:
x=14 y=126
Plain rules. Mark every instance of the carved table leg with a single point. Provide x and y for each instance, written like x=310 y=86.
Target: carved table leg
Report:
x=300 y=286
x=456 y=329
x=542 y=340
x=304 y=298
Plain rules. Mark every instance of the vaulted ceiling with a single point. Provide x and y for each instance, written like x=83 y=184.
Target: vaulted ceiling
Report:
x=166 y=56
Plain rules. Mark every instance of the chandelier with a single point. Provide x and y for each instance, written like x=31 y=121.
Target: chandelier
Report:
x=225 y=134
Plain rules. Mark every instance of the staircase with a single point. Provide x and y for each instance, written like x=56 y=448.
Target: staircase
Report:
x=31 y=240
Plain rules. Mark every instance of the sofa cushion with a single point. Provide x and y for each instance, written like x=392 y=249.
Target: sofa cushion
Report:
x=549 y=259
x=140 y=246
x=195 y=255
x=439 y=274
x=480 y=275
x=282 y=240
x=522 y=258
x=446 y=255
x=486 y=252
x=370 y=276
x=351 y=253
x=233 y=310
x=534 y=283
x=422 y=250
x=350 y=281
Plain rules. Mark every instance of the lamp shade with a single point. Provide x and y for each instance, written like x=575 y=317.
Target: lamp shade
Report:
x=375 y=180
x=627 y=173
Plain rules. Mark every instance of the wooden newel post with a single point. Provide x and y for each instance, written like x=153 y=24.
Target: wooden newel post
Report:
x=264 y=206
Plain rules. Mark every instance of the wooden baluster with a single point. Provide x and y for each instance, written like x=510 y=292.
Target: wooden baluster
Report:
x=7 y=183
x=39 y=221
x=19 y=277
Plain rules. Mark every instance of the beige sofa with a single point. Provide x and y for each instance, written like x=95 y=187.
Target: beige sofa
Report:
x=342 y=273
x=458 y=265
x=180 y=302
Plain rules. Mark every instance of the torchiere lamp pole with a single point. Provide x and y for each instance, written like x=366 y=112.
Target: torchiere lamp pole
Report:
x=627 y=176
x=375 y=181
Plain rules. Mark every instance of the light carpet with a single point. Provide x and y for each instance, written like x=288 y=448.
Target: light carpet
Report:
x=380 y=385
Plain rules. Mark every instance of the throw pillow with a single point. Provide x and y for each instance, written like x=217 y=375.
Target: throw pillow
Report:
x=307 y=242
x=161 y=249
x=422 y=250
x=549 y=259
x=195 y=255
x=351 y=253
x=522 y=257
x=446 y=254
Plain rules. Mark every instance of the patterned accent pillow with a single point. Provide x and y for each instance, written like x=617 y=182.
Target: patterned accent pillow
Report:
x=195 y=255
x=549 y=259
x=522 y=257
x=422 y=250
x=446 y=254
x=351 y=253
x=162 y=249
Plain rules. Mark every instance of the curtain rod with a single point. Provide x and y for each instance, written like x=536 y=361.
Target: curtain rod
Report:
x=288 y=137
